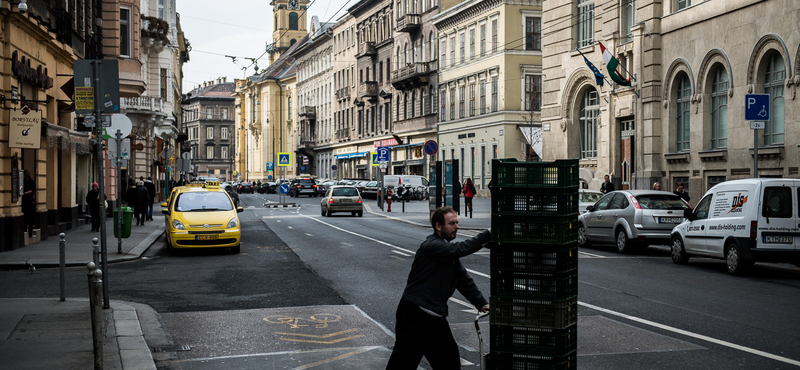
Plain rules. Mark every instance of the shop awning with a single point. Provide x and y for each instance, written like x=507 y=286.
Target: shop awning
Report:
x=351 y=155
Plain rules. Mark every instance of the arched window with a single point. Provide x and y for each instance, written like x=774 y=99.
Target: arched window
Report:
x=432 y=42
x=293 y=21
x=398 y=58
x=406 y=54
x=413 y=102
x=719 y=109
x=682 y=123
x=292 y=42
x=423 y=45
x=276 y=22
x=590 y=109
x=774 y=77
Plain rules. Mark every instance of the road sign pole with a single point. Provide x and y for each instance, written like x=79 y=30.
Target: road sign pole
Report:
x=755 y=153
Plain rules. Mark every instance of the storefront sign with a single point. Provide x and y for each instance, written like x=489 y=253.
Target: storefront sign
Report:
x=25 y=128
x=389 y=142
x=21 y=67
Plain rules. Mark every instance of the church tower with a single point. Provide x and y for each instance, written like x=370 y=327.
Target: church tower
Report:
x=290 y=25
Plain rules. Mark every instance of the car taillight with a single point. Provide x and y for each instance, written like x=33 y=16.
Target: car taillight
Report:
x=635 y=202
x=298 y=186
x=754 y=229
x=315 y=186
x=359 y=199
x=330 y=200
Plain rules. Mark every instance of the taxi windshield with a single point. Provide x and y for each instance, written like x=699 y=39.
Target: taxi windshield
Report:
x=203 y=201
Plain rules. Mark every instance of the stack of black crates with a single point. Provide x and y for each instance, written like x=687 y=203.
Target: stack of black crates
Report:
x=534 y=265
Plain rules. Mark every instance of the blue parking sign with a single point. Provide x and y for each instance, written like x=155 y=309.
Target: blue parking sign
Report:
x=756 y=107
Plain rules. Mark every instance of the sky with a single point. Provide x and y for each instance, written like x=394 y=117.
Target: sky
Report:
x=240 y=28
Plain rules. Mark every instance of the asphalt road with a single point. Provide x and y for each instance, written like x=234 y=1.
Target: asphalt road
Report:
x=330 y=286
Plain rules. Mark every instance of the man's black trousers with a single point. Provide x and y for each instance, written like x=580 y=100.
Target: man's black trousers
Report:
x=420 y=334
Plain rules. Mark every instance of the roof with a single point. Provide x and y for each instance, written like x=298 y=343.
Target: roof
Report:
x=217 y=90
x=283 y=66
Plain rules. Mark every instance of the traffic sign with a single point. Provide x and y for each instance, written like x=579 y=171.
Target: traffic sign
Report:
x=334 y=167
x=431 y=147
x=756 y=107
x=302 y=168
x=758 y=125
x=269 y=166
x=284 y=188
x=373 y=159
x=284 y=159
x=383 y=154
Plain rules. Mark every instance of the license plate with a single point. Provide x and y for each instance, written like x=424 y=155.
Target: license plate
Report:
x=670 y=220
x=778 y=239
x=345 y=201
x=207 y=237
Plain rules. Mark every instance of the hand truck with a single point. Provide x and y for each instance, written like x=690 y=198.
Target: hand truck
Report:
x=480 y=339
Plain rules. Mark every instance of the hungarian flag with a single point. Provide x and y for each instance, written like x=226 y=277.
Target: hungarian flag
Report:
x=611 y=65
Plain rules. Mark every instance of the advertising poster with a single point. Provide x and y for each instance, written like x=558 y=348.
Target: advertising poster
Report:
x=25 y=128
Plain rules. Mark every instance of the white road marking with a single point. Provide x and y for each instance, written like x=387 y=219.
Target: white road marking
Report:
x=400 y=253
x=465 y=304
x=359 y=235
x=591 y=255
x=290 y=227
x=309 y=234
x=693 y=335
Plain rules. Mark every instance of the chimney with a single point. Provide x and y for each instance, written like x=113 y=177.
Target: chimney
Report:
x=223 y=79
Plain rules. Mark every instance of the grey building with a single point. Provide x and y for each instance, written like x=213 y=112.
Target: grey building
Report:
x=208 y=123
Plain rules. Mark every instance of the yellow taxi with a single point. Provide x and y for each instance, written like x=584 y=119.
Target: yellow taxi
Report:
x=201 y=216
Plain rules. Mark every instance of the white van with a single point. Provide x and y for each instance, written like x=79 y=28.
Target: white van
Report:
x=743 y=221
x=393 y=181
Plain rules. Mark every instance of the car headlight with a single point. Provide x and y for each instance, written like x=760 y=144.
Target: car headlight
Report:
x=178 y=225
x=233 y=223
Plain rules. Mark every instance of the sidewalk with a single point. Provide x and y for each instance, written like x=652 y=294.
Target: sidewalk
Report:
x=45 y=333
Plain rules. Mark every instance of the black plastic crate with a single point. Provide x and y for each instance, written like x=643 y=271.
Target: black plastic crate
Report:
x=545 y=344
x=537 y=286
x=512 y=361
x=535 y=229
x=508 y=172
x=535 y=202
x=559 y=314
x=512 y=257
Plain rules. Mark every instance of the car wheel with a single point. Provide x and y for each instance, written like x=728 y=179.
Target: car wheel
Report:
x=360 y=213
x=321 y=210
x=736 y=263
x=583 y=239
x=623 y=243
x=354 y=213
x=679 y=255
x=236 y=249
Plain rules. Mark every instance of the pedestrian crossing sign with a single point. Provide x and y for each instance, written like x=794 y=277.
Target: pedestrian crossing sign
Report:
x=284 y=159
x=374 y=159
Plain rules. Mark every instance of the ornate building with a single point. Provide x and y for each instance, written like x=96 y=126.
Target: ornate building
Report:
x=208 y=122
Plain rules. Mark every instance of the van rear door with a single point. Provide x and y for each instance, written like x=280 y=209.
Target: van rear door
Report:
x=777 y=219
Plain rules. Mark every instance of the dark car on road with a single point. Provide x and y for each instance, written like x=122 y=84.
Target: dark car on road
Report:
x=232 y=193
x=303 y=186
x=246 y=187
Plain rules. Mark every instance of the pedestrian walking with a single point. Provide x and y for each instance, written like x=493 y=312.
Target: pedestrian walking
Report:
x=607 y=186
x=679 y=191
x=469 y=193
x=151 y=191
x=140 y=207
x=421 y=322
x=29 y=201
x=656 y=186
x=93 y=200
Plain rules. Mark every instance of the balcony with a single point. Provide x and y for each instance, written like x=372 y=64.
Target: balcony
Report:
x=366 y=49
x=307 y=145
x=308 y=112
x=408 y=22
x=343 y=134
x=343 y=93
x=368 y=90
x=149 y=104
x=411 y=75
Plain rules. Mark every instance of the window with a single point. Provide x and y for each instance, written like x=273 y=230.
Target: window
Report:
x=483 y=96
x=293 y=21
x=682 y=125
x=714 y=180
x=209 y=113
x=533 y=93
x=472 y=43
x=209 y=132
x=164 y=84
x=682 y=4
x=442 y=110
x=628 y=19
x=443 y=49
x=452 y=103
x=774 y=78
x=452 y=51
x=495 y=87
x=223 y=152
x=461 y=94
x=210 y=152
x=413 y=103
x=161 y=9
x=585 y=20
x=719 y=109
x=494 y=35
x=224 y=113
x=590 y=109
x=124 y=32
x=223 y=133
x=777 y=202
x=483 y=40
x=533 y=33
x=461 y=54
x=472 y=99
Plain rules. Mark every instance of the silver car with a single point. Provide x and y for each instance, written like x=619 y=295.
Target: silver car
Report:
x=631 y=218
x=342 y=198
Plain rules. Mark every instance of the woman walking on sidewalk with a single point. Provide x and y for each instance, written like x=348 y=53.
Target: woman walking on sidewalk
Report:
x=469 y=193
x=93 y=200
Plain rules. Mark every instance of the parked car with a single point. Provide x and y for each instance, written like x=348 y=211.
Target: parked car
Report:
x=587 y=198
x=263 y=188
x=371 y=190
x=271 y=187
x=245 y=187
x=303 y=186
x=631 y=218
x=743 y=222
x=201 y=217
x=342 y=198
x=321 y=188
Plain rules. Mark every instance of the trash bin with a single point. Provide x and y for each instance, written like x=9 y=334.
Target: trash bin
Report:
x=127 y=217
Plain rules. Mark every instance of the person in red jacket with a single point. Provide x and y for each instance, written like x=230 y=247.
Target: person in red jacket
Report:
x=469 y=193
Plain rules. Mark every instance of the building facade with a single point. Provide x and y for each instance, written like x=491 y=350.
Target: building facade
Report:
x=208 y=112
x=489 y=84
x=691 y=64
x=345 y=49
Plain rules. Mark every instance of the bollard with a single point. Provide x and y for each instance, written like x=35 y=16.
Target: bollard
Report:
x=96 y=307
x=404 y=205
x=95 y=251
x=62 y=266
